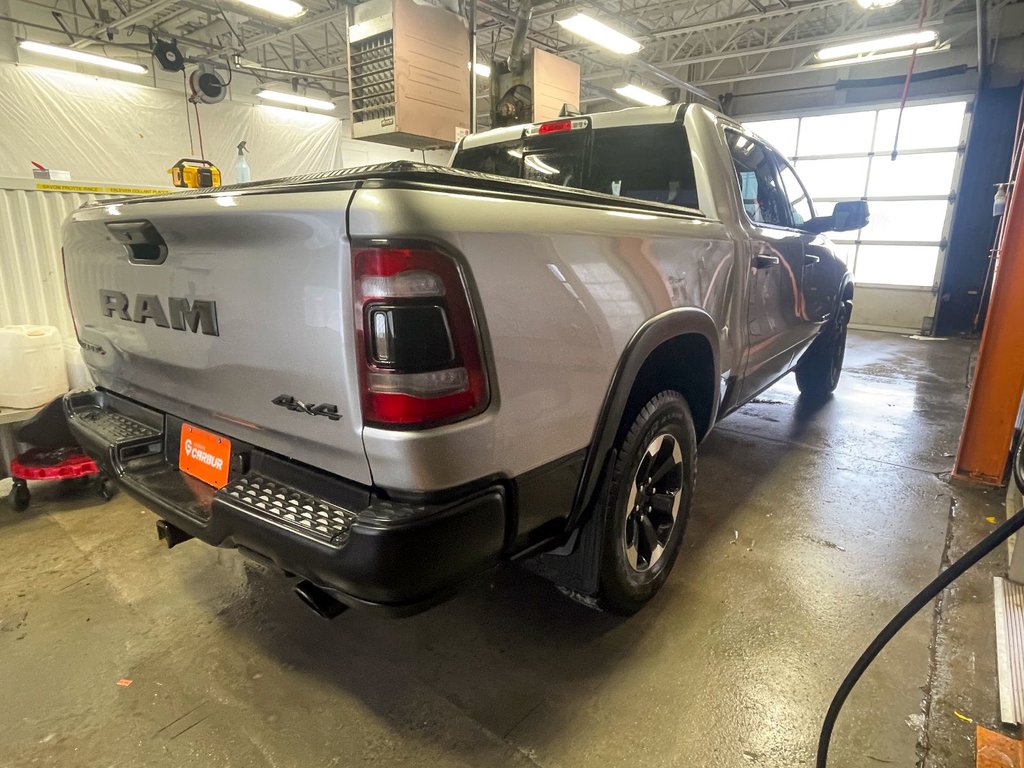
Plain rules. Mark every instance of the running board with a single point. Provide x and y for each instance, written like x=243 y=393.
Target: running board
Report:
x=1009 y=605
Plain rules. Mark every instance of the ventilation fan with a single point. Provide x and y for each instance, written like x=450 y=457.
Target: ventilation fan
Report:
x=206 y=85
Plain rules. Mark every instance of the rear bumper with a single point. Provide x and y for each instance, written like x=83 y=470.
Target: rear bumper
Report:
x=344 y=537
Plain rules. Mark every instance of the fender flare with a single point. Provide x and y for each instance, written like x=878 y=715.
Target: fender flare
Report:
x=652 y=334
x=847 y=281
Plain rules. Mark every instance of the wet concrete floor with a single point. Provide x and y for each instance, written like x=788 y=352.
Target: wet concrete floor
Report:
x=811 y=528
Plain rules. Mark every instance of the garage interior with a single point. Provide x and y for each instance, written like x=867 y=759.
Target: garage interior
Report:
x=813 y=523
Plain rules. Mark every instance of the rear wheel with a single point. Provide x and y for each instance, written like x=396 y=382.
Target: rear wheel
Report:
x=817 y=375
x=648 y=504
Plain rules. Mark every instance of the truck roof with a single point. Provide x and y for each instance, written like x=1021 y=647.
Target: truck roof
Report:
x=615 y=119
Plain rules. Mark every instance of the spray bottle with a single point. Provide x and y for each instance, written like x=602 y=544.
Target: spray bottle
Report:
x=242 y=171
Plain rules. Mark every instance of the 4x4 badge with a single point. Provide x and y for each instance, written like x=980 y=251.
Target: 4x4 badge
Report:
x=292 y=404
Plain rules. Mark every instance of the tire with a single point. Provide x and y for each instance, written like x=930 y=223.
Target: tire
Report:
x=817 y=374
x=19 y=496
x=656 y=462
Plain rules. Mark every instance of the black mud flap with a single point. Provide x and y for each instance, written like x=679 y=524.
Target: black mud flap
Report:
x=575 y=567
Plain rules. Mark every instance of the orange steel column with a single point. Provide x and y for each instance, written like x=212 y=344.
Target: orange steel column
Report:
x=999 y=374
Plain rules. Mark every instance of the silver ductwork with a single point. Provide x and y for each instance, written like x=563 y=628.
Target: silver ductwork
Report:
x=523 y=17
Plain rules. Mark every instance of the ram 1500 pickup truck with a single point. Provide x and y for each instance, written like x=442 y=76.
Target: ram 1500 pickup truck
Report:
x=386 y=380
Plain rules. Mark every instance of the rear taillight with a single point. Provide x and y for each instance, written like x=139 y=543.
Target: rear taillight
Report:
x=419 y=351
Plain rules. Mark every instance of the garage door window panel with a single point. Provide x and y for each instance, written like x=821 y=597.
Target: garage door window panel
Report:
x=846 y=156
x=781 y=134
x=911 y=175
x=929 y=126
x=910 y=221
x=907 y=265
x=834 y=178
x=846 y=134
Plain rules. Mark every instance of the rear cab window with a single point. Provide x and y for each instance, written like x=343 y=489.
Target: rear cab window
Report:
x=643 y=162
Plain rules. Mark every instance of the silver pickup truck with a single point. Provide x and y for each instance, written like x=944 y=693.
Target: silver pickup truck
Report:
x=386 y=380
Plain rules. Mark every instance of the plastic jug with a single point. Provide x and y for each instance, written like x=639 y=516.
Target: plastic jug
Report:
x=32 y=369
x=78 y=373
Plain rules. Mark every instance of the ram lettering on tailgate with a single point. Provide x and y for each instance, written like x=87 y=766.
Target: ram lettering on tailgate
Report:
x=197 y=316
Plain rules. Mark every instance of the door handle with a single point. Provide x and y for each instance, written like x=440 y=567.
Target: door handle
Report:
x=810 y=258
x=763 y=261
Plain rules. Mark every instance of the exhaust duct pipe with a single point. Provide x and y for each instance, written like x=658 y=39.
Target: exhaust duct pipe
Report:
x=318 y=601
x=523 y=18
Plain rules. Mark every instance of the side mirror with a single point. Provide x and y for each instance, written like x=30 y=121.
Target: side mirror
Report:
x=848 y=215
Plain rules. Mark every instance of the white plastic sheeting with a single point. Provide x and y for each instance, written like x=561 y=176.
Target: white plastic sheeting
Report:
x=125 y=133
x=108 y=130
x=31 y=272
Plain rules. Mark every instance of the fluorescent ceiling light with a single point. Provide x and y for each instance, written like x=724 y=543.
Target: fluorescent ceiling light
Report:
x=82 y=56
x=593 y=30
x=284 y=8
x=869 y=5
x=880 y=56
x=641 y=96
x=908 y=41
x=480 y=69
x=296 y=100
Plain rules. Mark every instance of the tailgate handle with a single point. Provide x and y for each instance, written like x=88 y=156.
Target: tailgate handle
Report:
x=141 y=241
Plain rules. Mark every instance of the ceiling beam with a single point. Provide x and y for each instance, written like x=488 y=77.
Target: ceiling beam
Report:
x=135 y=17
x=309 y=23
x=798 y=69
x=949 y=27
x=793 y=10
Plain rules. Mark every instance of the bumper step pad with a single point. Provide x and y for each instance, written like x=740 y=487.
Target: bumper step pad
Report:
x=115 y=427
x=307 y=514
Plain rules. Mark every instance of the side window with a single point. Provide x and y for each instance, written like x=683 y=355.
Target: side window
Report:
x=760 y=188
x=800 y=206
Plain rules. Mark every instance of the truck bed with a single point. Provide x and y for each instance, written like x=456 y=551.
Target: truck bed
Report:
x=405 y=173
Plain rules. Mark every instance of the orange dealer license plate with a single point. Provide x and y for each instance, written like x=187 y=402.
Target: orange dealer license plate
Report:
x=204 y=455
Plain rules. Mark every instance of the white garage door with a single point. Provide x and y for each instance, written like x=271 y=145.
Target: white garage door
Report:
x=897 y=259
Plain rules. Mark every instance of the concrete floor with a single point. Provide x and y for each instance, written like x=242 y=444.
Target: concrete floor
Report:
x=810 y=529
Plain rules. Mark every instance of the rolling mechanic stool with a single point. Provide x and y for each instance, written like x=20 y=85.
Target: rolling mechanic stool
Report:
x=54 y=455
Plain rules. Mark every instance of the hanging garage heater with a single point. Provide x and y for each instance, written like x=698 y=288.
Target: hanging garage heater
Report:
x=408 y=73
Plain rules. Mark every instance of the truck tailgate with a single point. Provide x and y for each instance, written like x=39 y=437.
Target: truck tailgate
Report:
x=246 y=304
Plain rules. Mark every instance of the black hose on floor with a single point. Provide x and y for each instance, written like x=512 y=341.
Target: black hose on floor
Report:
x=925 y=596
